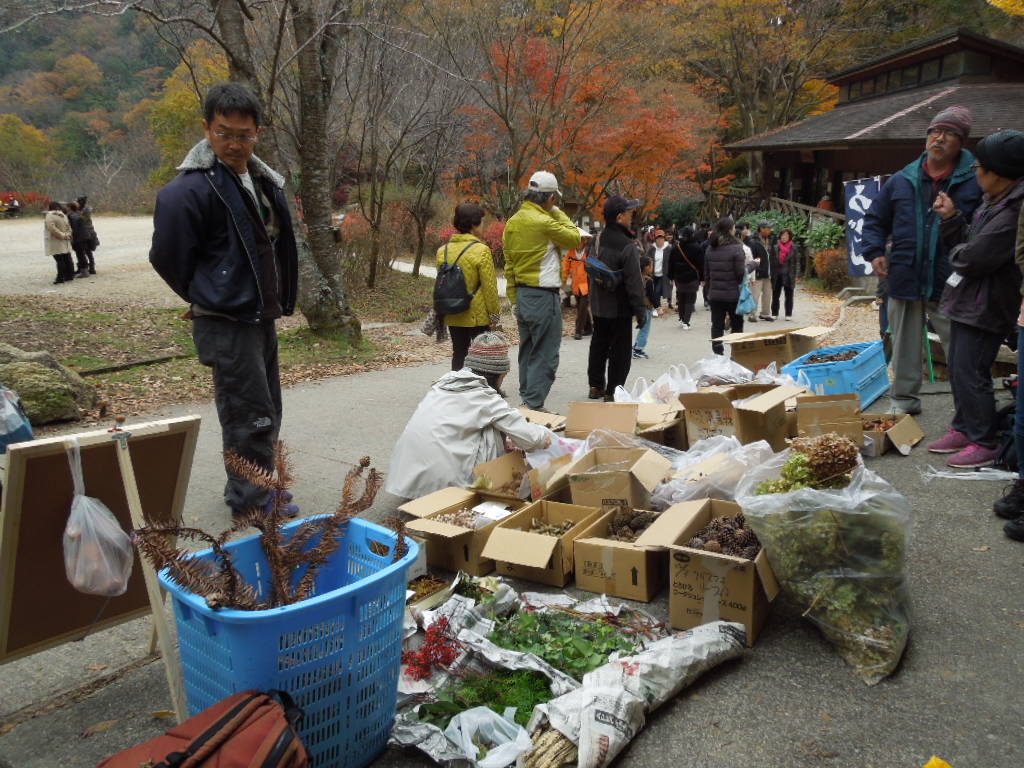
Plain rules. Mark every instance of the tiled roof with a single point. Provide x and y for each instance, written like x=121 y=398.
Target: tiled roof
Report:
x=898 y=118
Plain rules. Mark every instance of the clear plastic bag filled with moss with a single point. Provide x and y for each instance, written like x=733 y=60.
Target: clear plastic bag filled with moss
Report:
x=836 y=535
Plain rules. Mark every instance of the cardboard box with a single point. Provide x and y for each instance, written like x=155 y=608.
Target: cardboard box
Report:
x=493 y=476
x=658 y=422
x=758 y=350
x=552 y=421
x=629 y=477
x=820 y=414
x=517 y=551
x=449 y=546
x=902 y=436
x=761 y=417
x=632 y=570
x=706 y=587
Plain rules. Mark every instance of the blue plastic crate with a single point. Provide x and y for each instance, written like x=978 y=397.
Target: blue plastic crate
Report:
x=338 y=653
x=867 y=374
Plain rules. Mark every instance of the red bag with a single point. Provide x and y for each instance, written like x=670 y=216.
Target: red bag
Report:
x=247 y=730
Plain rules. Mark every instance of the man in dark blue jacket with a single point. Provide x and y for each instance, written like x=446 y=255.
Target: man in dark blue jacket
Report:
x=223 y=241
x=918 y=266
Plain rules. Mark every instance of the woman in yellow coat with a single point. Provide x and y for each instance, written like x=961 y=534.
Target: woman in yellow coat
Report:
x=474 y=257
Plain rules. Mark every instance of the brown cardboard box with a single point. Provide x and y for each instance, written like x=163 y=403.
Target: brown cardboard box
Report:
x=552 y=421
x=449 y=546
x=517 y=551
x=820 y=414
x=757 y=350
x=492 y=476
x=903 y=436
x=706 y=587
x=658 y=422
x=632 y=570
x=710 y=412
x=628 y=482
x=585 y=417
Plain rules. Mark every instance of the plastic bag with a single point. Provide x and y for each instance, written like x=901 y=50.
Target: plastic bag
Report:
x=632 y=395
x=719 y=369
x=720 y=481
x=484 y=725
x=746 y=303
x=770 y=375
x=14 y=423
x=609 y=438
x=840 y=554
x=98 y=555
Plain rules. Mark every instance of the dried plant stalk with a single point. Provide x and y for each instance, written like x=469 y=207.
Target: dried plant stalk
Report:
x=311 y=546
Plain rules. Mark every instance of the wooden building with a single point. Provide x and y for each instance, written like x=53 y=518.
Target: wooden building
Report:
x=884 y=110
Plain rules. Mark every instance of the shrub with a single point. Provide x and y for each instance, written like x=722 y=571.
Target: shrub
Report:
x=825 y=236
x=831 y=268
x=796 y=222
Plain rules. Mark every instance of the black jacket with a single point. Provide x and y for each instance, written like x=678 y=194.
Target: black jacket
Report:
x=790 y=271
x=206 y=244
x=79 y=231
x=618 y=250
x=687 y=263
x=987 y=290
x=725 y=271
x=768 y=257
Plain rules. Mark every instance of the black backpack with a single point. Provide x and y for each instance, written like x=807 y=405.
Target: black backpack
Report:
x=451 y=297
x=600 y=273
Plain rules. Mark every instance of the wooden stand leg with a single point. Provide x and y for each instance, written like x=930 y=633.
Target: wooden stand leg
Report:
x=160 y=626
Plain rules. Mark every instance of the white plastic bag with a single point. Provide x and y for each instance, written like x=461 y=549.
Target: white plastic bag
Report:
x=770 y=375
x=510 y=739
x=719 y=369
x=635 y=394
x=98 y=555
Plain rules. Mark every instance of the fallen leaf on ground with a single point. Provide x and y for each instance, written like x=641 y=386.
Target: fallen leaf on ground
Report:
x=97 y=667
x=164 y=713
x=7 y=728
x=985 y=548
x=100 y=727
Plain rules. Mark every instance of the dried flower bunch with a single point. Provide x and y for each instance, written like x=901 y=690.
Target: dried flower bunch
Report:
x=727 y=536
x=551 y=529
x=312 y=545
x=628 y=523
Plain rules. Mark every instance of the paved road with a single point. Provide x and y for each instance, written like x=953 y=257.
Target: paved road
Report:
x=789 y=702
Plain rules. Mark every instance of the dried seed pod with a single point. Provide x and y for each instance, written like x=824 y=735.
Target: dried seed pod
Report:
x=712 y=545
x=696 y=543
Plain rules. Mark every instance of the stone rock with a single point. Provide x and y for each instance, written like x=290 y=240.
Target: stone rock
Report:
x=85 y=393
x=44 y=393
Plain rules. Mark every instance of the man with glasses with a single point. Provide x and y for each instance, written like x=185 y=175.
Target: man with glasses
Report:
x=918 y=266
x=223 y=241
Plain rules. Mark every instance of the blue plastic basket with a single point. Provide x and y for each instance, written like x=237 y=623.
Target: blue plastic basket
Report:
x=338 y=653
x=867 y=374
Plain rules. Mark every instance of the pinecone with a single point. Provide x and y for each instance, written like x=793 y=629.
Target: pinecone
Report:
x=711 y=545
x=740 y=520
x=749 y=553
x=727 y=538
x=746 y=537
x=621 y=517
x=642 y=520
x=695 y=543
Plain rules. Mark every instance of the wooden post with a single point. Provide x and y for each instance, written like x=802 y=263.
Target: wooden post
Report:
x=160 y=625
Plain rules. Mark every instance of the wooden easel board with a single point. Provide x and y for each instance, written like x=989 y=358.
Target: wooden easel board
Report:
x=39 y=609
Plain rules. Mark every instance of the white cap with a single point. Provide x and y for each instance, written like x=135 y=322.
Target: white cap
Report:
x=543 y=181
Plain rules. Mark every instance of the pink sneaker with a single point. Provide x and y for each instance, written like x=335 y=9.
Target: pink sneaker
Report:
x=951 y=442
x=974 y=455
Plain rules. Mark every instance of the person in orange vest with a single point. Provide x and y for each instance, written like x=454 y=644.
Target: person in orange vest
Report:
x=826 y=203
x=574 y=268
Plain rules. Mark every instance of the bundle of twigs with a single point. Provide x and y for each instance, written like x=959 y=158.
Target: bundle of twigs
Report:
x=311 y=546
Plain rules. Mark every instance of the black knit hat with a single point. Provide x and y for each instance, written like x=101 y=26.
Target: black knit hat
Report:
x=1003 y=154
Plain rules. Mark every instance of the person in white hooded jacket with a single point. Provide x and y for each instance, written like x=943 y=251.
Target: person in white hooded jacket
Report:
x=462 y=422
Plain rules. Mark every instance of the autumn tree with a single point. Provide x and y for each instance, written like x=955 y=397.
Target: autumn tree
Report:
x=26 y=157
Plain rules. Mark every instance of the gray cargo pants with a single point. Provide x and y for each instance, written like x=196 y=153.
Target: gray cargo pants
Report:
x=247 y=391
x=907 y=320
x=539 y=318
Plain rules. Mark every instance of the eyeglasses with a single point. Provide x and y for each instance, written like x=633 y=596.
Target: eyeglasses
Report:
x=942 y=132
x=976 y=166
x=231 y=138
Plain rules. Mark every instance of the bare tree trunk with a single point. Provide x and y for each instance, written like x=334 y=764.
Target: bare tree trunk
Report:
x=421 y=240
x=374 y=256
x=324 y=301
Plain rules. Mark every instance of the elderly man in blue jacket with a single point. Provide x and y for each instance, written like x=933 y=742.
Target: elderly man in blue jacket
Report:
x=918 y=266
x=223 y=241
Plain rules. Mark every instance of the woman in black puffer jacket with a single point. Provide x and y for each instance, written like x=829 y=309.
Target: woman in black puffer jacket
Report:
x=724 y=273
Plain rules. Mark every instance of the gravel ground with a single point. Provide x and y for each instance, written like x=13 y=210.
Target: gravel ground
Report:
x=122 y=263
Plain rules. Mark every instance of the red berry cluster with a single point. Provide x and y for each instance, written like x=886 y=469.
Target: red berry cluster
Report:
x=439 y=649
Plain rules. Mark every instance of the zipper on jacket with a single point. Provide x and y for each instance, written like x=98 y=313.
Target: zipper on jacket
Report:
x=234 y=221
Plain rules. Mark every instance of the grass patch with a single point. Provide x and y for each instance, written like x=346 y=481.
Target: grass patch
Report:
x=397 y=298
x=302 y=347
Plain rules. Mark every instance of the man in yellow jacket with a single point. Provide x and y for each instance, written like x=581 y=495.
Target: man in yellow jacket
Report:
x=534 y=239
